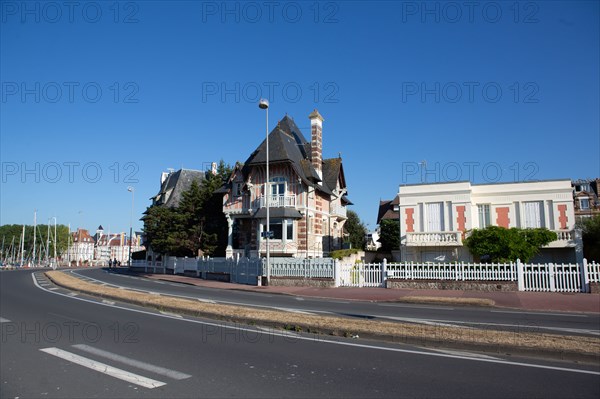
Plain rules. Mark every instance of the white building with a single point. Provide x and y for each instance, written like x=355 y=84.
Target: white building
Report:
x=435 y=218
x=82 y=247
x=115 y=246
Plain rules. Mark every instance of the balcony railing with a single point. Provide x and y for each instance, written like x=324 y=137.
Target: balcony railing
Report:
x=338 y=210
x=565 y=238
x=439 y=238
x=276 y=201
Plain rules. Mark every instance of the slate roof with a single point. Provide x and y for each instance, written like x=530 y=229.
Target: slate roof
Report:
x=386 y=211
x=287 y=144
x=174 y=185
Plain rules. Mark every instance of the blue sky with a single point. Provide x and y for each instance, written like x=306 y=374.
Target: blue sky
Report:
x=99 y=96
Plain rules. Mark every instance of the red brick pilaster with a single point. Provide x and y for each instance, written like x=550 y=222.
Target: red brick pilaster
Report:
x=562 y=216
x=502 y=219
x=410 y=221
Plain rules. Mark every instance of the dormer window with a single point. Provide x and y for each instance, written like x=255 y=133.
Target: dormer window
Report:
x=584 y=203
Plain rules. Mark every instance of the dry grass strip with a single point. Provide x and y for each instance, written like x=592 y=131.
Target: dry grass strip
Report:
x=587 y=348
x=447 y=300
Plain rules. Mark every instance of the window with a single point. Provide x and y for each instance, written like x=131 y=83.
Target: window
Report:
x=584 y=203
x=279 y=227
x=236 y=189
x=278 y=186
x=484 y=215
x=435 y=216
x=533 y=214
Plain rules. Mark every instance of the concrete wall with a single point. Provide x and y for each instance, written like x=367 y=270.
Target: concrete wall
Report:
x=453 y=285
x=302 y=282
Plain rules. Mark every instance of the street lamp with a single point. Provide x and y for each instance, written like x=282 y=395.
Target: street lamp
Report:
x=264 y=104
x=131 y=190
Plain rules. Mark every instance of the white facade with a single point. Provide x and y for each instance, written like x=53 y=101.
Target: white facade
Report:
x=434 y=218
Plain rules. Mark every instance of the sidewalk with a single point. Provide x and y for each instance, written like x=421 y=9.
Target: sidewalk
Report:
x=539 y=301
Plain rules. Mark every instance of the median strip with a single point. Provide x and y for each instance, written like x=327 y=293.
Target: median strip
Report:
x=548 y=345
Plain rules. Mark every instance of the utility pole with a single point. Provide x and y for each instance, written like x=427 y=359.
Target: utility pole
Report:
x=55 y=238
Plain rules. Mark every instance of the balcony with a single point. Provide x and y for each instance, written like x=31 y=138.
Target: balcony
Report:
x=441 y=238
x=566 y=238
x=339 y=211
x=278 y=201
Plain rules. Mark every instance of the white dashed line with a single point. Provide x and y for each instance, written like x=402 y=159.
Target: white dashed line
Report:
x=104 y=368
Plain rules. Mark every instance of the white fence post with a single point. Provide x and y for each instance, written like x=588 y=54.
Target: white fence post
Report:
x=551 y=277
x=520 y=276
x=585 y=277
x=384 y=273
x=336 y=273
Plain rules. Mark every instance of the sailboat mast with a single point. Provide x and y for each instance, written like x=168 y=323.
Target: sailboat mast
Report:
x=12 y=250
x=48 y=243
x=34 y=231
x=23 y=246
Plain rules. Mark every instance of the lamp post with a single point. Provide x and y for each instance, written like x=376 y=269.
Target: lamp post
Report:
x=131 y=190
x=264 y=104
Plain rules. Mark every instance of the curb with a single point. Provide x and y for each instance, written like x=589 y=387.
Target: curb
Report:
x=422 y=341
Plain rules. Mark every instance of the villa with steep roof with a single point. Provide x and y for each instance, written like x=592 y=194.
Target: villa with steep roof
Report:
x=307 y=196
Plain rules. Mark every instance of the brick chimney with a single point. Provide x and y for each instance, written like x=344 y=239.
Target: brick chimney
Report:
x=316 y=141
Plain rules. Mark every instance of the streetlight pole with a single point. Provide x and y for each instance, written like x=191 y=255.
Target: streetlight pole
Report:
x=264 y=104
x=132 y=191
x=55 y=240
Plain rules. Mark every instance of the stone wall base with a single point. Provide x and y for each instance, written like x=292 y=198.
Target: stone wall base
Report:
x=453 y=285
x=302 y=282
x=595 y=288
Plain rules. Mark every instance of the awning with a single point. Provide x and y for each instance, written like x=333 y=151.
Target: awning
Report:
x=280 y=212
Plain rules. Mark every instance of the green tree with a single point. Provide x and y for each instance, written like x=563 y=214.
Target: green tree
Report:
x=163 y=231
x=197 y=223
x=356 y=230
x=389 y=235
x=590 y=229
x=7 y=232
x=498 y=244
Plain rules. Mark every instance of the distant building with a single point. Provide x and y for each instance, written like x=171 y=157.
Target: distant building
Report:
x=82 y=246
x=372 y=241
x=173 y=184
x=435 y=218
x=115 y=246
x=585 y=198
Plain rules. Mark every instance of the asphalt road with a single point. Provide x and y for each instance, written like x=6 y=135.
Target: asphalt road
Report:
x=477 y=317
x=58 y=345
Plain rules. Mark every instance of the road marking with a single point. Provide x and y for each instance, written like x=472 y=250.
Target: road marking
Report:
x=293 y=310
x=176 y=375
x=466 y=354
x=3 y=320
x=104 y=368
x=326 y=341
x=421 y=321
x=206 y=300
x=108 y=302
x=467 y=324
x=416 y=305
x=540 y=313
x=172 y=314
x=53 y=289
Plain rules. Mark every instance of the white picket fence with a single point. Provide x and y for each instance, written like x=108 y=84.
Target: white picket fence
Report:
x=302 y=267
x=547 y=277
